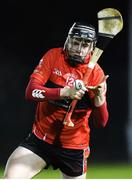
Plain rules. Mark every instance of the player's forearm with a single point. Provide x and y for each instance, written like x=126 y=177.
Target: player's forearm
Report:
x=101 y=115
x=37 y=92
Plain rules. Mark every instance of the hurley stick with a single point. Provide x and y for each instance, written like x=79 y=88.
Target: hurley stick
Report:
x=110 y=23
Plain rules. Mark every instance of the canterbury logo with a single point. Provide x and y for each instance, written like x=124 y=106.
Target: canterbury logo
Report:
x=36 y=93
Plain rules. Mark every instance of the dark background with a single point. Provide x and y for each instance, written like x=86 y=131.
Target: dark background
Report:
x=27 y=30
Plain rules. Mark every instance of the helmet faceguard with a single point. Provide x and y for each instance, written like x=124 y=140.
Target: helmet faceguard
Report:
x=80 y=43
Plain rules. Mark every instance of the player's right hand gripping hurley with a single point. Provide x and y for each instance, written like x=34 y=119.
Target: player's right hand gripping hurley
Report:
x=74 y=92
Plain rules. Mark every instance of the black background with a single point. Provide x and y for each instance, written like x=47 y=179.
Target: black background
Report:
x=27 y=30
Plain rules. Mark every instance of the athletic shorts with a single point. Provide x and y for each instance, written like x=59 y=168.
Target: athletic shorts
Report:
x=72 y=162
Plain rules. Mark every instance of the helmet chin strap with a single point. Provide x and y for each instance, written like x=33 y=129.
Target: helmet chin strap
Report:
x=78 y=58
x=75 y=60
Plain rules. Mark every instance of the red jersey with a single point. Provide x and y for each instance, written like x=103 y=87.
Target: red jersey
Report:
x=52 y=73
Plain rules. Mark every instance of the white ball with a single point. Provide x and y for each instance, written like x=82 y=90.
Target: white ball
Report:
x=78 y=84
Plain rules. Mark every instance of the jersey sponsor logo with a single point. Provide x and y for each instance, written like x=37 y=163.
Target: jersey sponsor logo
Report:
x=36 y=93
x=57 y=72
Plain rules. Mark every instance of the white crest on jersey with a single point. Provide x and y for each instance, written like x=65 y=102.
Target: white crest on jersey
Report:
x=57 y=72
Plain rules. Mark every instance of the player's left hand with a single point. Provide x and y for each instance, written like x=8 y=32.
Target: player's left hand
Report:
x=99 y=91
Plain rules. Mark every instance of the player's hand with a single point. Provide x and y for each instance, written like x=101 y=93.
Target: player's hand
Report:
x=99 y=91
x=74 y=92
